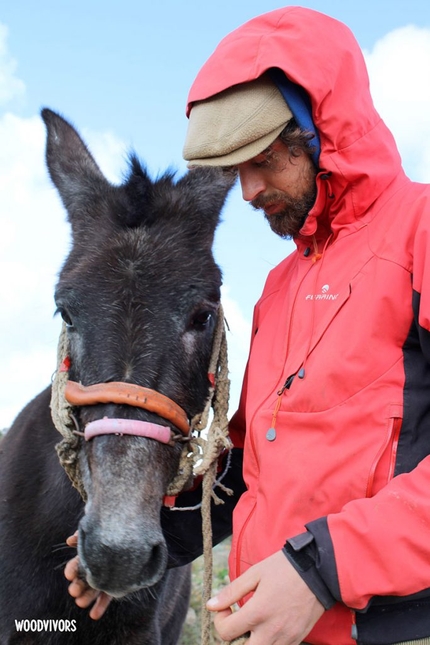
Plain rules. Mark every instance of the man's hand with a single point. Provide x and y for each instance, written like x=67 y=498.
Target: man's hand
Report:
x=83 y=594
x=281 y=611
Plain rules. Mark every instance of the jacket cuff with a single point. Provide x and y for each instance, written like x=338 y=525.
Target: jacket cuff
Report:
x=302 y=553
x=325 y=557
x=183 y=529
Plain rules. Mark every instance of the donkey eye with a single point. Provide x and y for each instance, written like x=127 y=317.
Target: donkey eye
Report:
x=65 y=316
x=202 y=319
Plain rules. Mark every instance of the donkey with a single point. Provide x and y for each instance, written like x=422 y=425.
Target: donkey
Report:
x=139 y=295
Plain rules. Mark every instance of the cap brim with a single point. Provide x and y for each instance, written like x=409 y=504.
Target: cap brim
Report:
x=240 y=155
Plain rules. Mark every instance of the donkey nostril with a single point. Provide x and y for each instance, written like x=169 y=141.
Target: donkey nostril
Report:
x=157 y=553
x=156 y=562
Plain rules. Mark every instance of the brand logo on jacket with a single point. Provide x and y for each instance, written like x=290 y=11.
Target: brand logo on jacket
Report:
x=323 y=295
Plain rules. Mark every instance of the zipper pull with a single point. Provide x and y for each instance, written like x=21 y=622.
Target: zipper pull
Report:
x=271 y=433
x=354 y=632
x=286 y=385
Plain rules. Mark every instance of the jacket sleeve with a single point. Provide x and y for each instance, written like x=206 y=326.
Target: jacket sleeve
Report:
x=356 y=552
x=183 y=529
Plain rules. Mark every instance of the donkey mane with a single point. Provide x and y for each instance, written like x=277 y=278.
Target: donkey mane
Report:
x=166 y=195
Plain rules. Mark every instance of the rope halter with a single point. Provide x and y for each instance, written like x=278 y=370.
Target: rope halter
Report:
x=199 y=456
x=198 y=453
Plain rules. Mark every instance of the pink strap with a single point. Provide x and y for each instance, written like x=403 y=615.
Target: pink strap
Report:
x=128 y=426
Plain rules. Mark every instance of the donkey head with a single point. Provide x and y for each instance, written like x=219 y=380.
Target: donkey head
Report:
x=139 y=293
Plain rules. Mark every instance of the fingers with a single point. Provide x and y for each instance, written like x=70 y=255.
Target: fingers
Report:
x=83 y=594
x=231 y=625
x=73 y=540
x=281 y=610
x=235 y=591
x=228 y=623
x=79 y=589
x=100 y=606
x=71 y=570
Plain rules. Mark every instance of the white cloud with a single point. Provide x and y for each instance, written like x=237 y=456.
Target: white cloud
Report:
x=238 y=338
x=399 y=67
x=109 y=152
x=10 y=85
x=31 y=248
x=34 y=236
x=34 y=240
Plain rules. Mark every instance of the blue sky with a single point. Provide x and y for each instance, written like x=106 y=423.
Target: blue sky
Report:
x=120 y=71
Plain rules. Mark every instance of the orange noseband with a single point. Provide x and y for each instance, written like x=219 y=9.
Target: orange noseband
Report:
x=128 y=394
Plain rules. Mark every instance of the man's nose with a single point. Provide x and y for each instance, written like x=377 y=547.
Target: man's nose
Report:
x=251 y=182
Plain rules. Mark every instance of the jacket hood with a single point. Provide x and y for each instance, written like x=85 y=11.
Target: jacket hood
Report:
x=321 y=55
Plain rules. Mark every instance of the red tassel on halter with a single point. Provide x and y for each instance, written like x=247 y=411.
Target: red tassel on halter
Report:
x=169 y=501
x=65 y=365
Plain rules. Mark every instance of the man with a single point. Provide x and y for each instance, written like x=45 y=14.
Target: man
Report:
x=331 y=540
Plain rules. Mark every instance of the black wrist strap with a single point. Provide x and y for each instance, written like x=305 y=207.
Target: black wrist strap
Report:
x=301 y=551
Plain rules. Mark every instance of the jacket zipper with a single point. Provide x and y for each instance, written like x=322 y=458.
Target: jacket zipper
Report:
x=393 y=439
x=240 y=540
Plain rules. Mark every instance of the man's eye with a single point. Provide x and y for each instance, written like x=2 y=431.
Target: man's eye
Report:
x=261 y=164
x=264 y=159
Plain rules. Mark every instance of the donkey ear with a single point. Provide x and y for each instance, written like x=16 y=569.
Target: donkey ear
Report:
x=72 y=168
x=208 y=189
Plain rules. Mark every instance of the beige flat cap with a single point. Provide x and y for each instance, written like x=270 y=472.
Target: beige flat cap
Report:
x=235 y=125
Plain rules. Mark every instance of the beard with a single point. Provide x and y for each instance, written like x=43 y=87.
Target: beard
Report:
x=290 y=219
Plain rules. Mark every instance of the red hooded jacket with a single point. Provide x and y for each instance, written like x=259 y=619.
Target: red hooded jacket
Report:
x=341 y=346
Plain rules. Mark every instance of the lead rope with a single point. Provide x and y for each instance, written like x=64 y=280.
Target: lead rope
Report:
x=206 y=452
x=199 y=456
x=217 y=442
